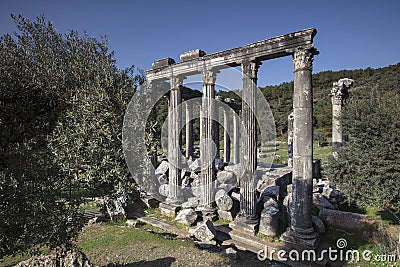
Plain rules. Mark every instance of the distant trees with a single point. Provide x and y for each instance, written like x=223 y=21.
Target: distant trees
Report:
x=367 y=169
x=62 y=102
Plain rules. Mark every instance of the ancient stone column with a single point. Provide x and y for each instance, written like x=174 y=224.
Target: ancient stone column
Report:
x=247 y=218
x=207 y=144
x=216 y=130
x=290 y=139
x=227 y=139
x=236 y=147
x=339 y=94
x=300 y=231
x=174 y=137
x=189 y=130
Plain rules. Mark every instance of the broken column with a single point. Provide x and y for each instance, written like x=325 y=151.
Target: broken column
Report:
x=227 y=139
x=339 y=94
x=290 y=139
x=300 y=231
x=247 y=218
x=189 y=130
x=207 y=144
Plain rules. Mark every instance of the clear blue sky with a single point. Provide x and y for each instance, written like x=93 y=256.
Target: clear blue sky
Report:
x=351 y=34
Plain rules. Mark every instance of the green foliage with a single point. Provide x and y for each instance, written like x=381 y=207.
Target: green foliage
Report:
x=367 y=169
x=280 y=96
x=62 y=104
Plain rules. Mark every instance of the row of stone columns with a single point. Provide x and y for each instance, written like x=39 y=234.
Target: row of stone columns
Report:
x=300 y=230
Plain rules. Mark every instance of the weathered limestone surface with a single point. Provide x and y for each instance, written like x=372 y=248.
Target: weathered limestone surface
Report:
x=189 y=130
x=249 y=162
x=269 y=221
x=205 y=231
x=174 y=151
x=339 y=95
x=346 y=221
x=207 y=147
x=280 y=46
x=236 y=145
x=69 y=258
x=301 y=231
x=187 y=216
x=249 y=57
x=227 y=139
x=290 y=139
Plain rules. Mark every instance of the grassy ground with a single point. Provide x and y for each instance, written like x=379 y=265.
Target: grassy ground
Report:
x=144 y=245
x=281 y=152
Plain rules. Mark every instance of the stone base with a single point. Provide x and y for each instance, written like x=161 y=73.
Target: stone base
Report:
x=307 y=239
x=245 y=225
x=226 y=215
x=169 y=210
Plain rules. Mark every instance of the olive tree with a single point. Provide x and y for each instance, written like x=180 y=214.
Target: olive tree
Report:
x=62 y=101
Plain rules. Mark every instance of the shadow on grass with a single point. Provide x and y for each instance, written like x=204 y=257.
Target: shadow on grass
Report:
x=164 y=262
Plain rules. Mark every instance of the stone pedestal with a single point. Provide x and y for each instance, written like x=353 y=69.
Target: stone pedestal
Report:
x=300 y=231
x=169 y=210
x=242 y=224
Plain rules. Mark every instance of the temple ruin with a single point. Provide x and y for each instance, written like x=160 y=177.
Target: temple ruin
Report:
x=300 y=46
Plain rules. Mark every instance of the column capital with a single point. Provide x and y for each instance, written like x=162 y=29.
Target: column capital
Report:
x=250 y=68
x=209 y=76
x=303 y=59
x=340 y=89
x=176 y=82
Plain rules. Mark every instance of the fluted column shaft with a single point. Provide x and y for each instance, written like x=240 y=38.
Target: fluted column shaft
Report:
x=174 y=137
x=249 y=162
x=189 y=130
x=227 y=139
x=207 y=138
x=236 y=147
x=290 y=139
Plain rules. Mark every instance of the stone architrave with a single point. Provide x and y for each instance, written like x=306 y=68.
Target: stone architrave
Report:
x=301 y=231
x=339 y=95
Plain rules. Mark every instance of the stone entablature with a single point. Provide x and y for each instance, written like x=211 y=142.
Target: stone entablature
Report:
x=276 y=47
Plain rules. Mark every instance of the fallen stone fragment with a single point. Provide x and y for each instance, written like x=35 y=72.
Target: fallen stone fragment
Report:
x=205 y=231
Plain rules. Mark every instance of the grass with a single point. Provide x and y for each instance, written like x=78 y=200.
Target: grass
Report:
x=281 y=152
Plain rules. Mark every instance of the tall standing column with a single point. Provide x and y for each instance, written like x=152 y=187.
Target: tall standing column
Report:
x=236 y=147
x=189 y=130
x=247 y=217
x=216 y=131
x=227 y=139
x=174 y=137
x=339 y=94
x=207 y=144
x=301 y=231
